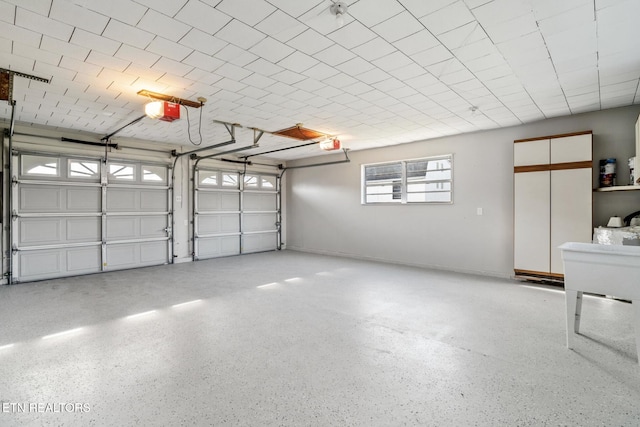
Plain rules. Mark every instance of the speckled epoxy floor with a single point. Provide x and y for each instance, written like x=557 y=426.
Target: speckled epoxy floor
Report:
x=296 y=339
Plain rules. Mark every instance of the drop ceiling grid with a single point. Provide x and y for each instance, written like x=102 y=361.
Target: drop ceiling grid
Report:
x=408 y=62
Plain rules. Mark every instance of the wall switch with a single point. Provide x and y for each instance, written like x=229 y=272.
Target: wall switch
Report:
x=478 y=211
x=186 y=222
x=178 y=199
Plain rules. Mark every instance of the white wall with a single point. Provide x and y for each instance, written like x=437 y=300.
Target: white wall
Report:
x=325 y=214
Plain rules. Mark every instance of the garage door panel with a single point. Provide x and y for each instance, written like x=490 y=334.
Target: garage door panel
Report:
x=153 y=201
x=122 y=200
x=83 y=199
x=121 y=256
x=153 y=252
x=47 y=264
x=121 y=227
x=153 y=226
x=218 y=201
x=40 y=263
x=40 y=231
x=218 y=223
x=259 y=202
x=83 y=229
x=40 y=199
x=259 y=222
x=130 y=255
x=211 y=247
x=84 y=260
x=259 y=242
x=50 y=231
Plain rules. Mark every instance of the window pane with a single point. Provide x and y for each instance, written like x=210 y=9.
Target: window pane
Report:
x=230 y=180
x=268 y=182
x=83 y=169
x=40 y=165
x=121 y=172
x=250 y=181
x=154 y=173
x=429 y=186
x=209 y=178
x=380 y=173
x=442 y=197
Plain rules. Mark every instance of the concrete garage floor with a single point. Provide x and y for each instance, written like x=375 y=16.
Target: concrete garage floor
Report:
x=297 y=339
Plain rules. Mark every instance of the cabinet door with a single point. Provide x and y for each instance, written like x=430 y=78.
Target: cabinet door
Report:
x=571 y=211
x=531 y=153
x=569 y=149
x=532 y=221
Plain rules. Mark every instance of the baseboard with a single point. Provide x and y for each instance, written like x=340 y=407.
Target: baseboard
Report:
x=407 y=264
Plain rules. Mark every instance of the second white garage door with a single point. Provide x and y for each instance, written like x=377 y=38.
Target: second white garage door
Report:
x=235 y=213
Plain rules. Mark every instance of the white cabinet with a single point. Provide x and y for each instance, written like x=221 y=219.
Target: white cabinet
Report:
x=552 y=201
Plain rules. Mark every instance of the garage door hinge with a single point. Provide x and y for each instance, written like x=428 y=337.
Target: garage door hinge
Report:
x=14 y=180
x=14 y=249
x=14 y=215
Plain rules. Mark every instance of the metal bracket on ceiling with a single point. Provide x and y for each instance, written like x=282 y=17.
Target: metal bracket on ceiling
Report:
x=257 y=134
x=231 y=127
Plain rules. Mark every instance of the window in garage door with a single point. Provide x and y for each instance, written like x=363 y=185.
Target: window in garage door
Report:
x=75 y=215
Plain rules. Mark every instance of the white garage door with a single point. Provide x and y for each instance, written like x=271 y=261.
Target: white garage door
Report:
x=235 y=213
x=80 y=215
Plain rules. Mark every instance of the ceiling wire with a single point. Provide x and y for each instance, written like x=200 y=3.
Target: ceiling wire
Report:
x=189 y=126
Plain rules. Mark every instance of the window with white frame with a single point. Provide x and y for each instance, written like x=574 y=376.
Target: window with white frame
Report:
x=426 y=180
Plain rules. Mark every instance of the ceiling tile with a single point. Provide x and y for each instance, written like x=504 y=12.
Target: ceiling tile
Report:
x=103 y=60
x=288 y=77
x=334 y=55
x=202 y=61
x=127 y=34
x=448 y=18
x=432 y=56
x=321 y=71
x=271 y=49
x=398 y=27
x=462 y=36
x=310 y=42
x=168 y=7
x=375 y=75
x=168 y=28
x=123 y=10
x=498 y=11
x=55 y=45
x=76 y=16
x=420 y=8
x=94 y=42
x=235 y=55
x=202 y=42
x=202 y=17
x=41 y=24
x=281 y=26
x=352 y=35
x=393 y=61
x=294 y=8
x=374 y=49
x=263 y=67
x=173 y=67
x=417 y=42
x=298 y=62
x=355 y=66
x=373 y=12
x=239 y=34
x=169 y=49
x=248 y=11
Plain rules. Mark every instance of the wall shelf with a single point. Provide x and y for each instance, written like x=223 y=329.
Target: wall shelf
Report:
x=618 y=188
